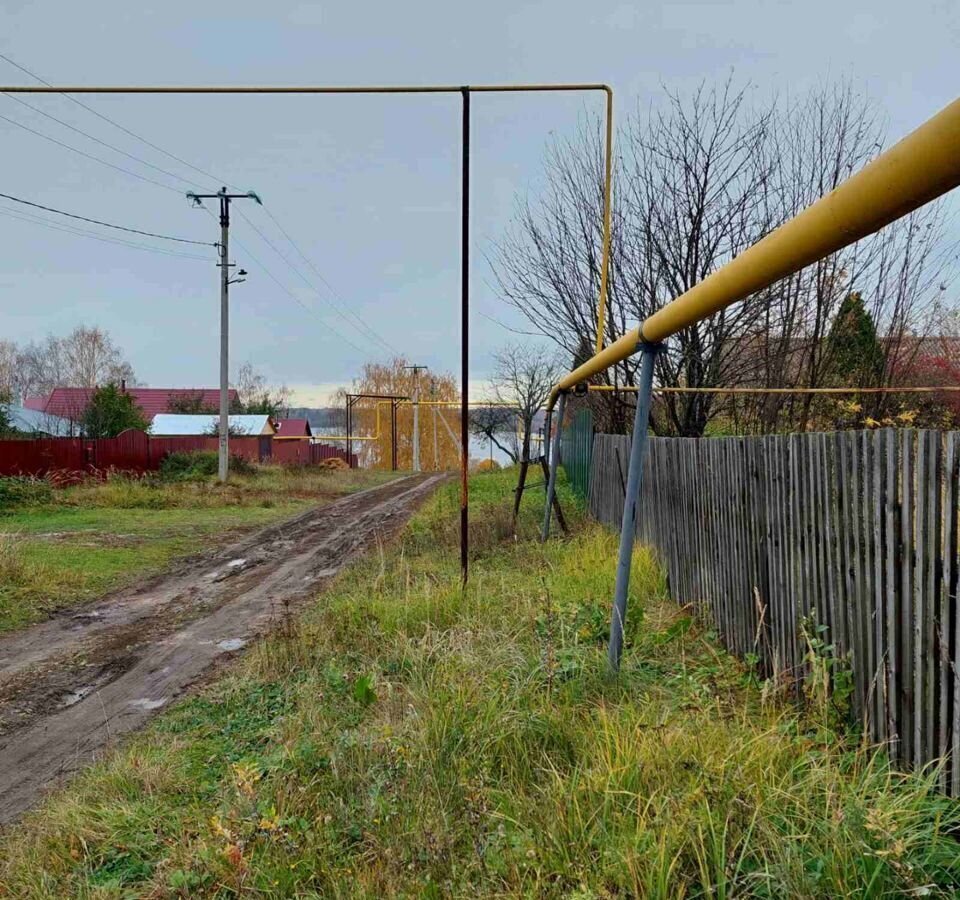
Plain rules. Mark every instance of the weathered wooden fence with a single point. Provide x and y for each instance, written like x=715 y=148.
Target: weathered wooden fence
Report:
x=855 y=531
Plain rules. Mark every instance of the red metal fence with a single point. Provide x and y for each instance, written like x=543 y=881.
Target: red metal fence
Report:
x=135 y=451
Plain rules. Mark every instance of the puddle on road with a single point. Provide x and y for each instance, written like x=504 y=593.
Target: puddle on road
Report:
x=144 y=703
x=76 y=696
x=232 y=644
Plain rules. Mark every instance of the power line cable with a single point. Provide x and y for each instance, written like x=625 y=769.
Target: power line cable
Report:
x=346 y=309
x=360 y=325
x=164 y=237
x=115 y=124
x=285 y=289
x=344 y=312
x=295 y=298
x=69 y=229
x=305 y=280
x=158 y=184
x=102 y=162
x=97 y=140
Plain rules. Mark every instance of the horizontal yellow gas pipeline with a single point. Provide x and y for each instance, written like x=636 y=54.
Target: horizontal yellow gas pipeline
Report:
x=629 y=389
x=379 y=403
x=918 y=169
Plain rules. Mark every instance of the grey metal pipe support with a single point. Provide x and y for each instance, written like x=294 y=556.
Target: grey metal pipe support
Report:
x=554 y=459
x=638 y=446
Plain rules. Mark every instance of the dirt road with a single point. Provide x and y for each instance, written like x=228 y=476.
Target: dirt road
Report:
x=70 y=686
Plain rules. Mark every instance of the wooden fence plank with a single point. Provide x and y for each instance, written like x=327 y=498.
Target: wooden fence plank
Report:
x=946 y=608
x=891 y=613
x=879 y=682
x=821 y=531
x=932 y=591
x=919 y=580
x=851 y=493
x=783 y=528
x=951 y=522
x=907 y=553
x=834 y=556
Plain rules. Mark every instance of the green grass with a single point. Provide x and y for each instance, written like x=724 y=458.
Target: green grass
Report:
x=96 y=537
x=409 y=739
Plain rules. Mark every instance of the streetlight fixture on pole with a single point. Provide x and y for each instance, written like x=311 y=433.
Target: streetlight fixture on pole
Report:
x=225 y=281
x=416 y=414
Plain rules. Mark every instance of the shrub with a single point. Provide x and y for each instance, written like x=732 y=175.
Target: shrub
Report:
x=111 y=410
x=24 y=491
x=188 y=465
x=199 y=464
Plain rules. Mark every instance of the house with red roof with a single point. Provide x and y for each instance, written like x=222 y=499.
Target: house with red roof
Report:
x=293 y=430
x=71 y=403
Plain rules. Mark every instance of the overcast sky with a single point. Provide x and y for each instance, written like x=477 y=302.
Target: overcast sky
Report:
x=368 y=187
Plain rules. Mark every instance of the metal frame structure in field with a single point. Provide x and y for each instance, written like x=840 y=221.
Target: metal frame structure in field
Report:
x=465 y=91
x=921 y=167
x=394 y=400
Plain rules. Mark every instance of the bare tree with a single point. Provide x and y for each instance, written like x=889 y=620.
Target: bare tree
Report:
x=42 y=366
x=255 y=395
x=699 y=179
x=9 y=371
x=699 y=175
x=497 y=425
x=522 y=378
x=92 y=359
x=822 y=140
x=87 y=357
x=548 y=264
x=691 y=183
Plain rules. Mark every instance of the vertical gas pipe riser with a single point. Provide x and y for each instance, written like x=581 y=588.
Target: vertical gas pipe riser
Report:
x=554 y=460
x=638 y=447
x=464 y=335
x=394 y=455
x=349 y=431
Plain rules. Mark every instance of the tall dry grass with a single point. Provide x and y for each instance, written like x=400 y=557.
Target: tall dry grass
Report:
x=411 y=738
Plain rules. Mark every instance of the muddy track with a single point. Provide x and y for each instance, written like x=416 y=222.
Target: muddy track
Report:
x=72 y=685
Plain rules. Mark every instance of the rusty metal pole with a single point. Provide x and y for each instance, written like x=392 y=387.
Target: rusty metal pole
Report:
x=394 y=456
x=464 y=336
x=349 y=423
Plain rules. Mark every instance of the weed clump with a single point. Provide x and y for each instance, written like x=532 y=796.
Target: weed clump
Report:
x=199 y=464
x=24 y=491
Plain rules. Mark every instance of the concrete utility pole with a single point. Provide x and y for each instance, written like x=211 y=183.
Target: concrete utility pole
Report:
x=416 y=414
x=436 y=446
x=225 y=282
